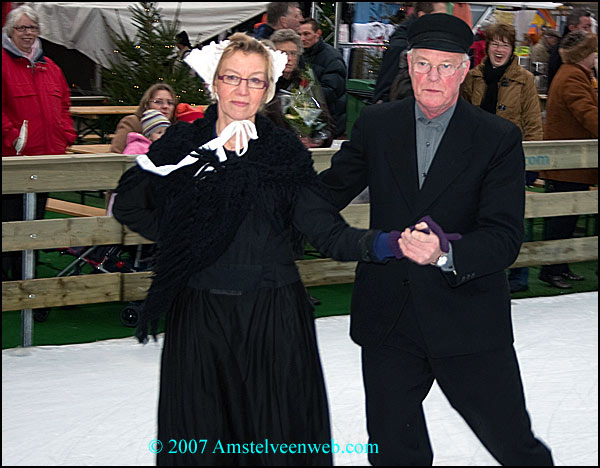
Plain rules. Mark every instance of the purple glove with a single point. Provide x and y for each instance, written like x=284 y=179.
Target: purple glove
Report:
x=393 y=240
x=438 y=231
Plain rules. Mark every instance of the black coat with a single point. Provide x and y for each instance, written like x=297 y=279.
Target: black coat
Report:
x=330 y=69
x=474 y=187
x=390 y=62
x=230 y=229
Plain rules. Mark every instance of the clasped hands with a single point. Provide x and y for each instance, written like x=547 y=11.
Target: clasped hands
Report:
x=422 y=243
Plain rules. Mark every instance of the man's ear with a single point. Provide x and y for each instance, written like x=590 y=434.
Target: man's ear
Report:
x=319 y=32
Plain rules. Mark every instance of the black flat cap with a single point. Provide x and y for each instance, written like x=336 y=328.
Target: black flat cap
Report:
x=182 y=38
x=439 y=31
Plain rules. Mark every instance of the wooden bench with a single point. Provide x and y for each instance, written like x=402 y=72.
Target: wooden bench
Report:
x=73 y=209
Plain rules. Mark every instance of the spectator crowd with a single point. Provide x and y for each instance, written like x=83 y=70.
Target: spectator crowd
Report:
x=311 y=100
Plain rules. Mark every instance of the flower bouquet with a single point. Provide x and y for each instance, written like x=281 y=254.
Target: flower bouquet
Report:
x=301 y=108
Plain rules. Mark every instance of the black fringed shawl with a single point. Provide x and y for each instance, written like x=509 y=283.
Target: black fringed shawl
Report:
x=202 y=214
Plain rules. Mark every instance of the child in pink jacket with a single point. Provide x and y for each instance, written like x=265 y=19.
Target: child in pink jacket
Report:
x=154 y=125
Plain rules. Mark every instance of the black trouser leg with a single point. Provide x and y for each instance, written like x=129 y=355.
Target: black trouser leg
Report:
x=12 y=210
x=486 y=390
x=396 y=383
x=561 y=227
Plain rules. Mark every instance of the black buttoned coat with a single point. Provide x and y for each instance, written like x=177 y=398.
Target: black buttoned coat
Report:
x=474 y=187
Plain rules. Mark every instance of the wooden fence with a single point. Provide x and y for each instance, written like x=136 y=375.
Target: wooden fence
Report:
x=25 y=174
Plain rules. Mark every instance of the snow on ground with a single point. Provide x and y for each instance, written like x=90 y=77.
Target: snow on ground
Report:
x=95 y=403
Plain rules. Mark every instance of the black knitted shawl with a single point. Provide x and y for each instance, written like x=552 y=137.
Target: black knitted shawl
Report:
x=201 y=215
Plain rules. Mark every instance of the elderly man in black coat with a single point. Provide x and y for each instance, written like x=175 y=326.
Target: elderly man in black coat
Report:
x=443 y=312
x=330 y=69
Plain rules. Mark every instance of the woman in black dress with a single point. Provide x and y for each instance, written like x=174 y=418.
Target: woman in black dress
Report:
x=219 y=196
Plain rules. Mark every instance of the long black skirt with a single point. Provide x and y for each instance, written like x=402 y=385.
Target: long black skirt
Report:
x=241 y=381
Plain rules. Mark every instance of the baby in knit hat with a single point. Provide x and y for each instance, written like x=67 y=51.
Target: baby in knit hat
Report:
x=154 y=125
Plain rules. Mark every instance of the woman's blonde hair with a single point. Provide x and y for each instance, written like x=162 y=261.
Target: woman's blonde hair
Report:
x=240 y=42
x=149 y=94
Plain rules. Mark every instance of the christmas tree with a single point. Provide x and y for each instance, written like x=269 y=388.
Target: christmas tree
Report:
x=148 y=58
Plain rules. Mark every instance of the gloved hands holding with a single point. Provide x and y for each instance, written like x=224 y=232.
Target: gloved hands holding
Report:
x=423 y=242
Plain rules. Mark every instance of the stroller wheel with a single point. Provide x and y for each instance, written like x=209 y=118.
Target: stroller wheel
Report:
x=130 y=314
x=41 y=315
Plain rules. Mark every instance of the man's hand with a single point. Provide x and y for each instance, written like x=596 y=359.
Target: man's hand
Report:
x=420 y=245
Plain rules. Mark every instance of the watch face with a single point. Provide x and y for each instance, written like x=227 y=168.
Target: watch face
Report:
x=442 y=260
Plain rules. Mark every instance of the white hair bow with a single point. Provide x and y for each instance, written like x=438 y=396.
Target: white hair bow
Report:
x=204 y=62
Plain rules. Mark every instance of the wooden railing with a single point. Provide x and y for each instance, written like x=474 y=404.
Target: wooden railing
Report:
x=74 y=172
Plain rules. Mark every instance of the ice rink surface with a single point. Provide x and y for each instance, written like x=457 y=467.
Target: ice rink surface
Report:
x=95 y=403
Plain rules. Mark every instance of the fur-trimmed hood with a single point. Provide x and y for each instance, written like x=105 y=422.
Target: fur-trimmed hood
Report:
x=577 y=45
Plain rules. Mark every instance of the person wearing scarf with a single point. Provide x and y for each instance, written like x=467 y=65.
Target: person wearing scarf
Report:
x=499 y=85
x=220 y=196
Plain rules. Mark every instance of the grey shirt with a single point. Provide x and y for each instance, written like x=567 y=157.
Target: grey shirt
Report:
x=429 y=136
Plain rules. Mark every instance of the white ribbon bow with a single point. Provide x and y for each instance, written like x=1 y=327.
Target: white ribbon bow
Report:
x=243 y=130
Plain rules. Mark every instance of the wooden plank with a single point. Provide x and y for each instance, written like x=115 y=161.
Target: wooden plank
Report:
x=543 y=205
x=102 y=171
x=357 y=215
x=560 y=154
x=47 y=233
x=73 y=209
x=57 y=292
x=90 y=111
x=325 y=271
x=63 y=173
x=98 y=148
x=58 y=233
x=539 y=155
x=581 y=249
x=108 y=287
x=133 y=238
x=136 y=285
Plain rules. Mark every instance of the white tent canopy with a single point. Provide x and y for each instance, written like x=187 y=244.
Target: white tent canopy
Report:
x=80 y=26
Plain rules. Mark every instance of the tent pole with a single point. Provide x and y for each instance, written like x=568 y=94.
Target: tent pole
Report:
x=98 y=78
x=338 y=15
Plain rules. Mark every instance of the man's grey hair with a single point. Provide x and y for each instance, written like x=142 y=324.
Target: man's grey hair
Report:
x=14 y=16
x=288 y=35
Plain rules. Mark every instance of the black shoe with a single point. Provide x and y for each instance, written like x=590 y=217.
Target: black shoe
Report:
x=314 y=300
x=556 y=281
x=572 y=276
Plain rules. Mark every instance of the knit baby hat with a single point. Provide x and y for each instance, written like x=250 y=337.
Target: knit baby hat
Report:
x=151 y=120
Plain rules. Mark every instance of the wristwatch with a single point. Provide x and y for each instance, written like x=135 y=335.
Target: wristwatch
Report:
x=441 y=260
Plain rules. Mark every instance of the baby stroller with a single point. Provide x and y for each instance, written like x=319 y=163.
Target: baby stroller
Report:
x=107 y=259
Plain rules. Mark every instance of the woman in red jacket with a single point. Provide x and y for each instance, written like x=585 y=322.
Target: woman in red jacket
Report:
x=33 y=90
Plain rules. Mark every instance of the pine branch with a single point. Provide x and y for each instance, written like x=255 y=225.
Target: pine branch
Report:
x=149 y=57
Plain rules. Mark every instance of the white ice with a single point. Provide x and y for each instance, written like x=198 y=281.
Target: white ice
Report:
x=95 y=403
